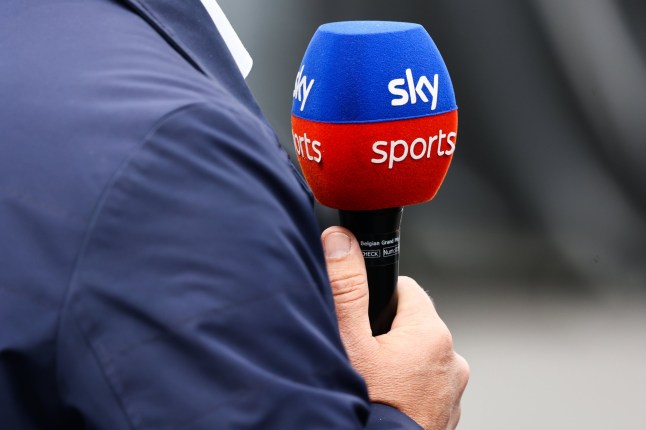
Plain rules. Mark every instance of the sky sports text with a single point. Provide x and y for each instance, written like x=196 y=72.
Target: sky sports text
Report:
x=307 y=148
x=406 y=89
x=413 y=90
x=394 y=151
x=302 y=88
x=418 y=149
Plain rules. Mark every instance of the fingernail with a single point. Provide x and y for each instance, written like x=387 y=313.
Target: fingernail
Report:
x=336 y=245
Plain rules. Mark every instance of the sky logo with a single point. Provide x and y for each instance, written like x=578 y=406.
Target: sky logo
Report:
x=408 y=91
x=302 y=88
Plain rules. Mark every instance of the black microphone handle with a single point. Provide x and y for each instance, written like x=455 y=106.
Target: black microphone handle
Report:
x=378 y=235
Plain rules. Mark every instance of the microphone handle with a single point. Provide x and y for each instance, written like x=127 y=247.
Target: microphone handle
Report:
x=377 y=232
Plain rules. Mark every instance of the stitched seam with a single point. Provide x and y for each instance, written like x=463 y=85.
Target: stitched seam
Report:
x=88 y=235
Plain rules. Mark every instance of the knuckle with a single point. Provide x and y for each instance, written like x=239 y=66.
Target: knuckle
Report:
x=441 y=349
x=464 y=370
x=349 y=287
x=444 y=339
x=407 y=280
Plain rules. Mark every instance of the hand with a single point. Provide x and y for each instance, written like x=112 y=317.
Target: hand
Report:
x=413 y=367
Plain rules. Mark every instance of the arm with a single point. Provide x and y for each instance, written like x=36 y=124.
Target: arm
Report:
x=200 y=296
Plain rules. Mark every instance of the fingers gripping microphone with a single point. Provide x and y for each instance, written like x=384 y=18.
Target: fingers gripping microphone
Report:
x=374 y=124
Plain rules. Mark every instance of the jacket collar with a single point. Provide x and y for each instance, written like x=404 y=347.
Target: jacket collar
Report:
x=188 y=28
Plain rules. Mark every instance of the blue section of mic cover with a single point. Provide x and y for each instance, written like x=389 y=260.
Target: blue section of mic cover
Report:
x=371 y=71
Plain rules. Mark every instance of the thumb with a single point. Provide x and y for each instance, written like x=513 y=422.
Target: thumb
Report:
x=347 y=272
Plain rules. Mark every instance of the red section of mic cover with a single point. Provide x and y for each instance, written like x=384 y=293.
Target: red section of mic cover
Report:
x=375 y=165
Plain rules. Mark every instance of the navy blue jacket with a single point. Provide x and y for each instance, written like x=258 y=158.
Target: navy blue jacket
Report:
x=160 y=264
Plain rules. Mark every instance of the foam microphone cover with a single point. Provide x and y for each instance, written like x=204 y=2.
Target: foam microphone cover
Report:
x=374 y=117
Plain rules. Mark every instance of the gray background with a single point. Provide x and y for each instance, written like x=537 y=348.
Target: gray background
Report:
x=535 y=247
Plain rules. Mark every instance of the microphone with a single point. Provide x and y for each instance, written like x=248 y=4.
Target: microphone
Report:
x=374 y=125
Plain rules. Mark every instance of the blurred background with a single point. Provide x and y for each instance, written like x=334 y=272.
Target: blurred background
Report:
x=535 y=247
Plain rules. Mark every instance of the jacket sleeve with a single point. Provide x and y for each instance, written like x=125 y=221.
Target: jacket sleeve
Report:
x=384 y=417
x=200 y=295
